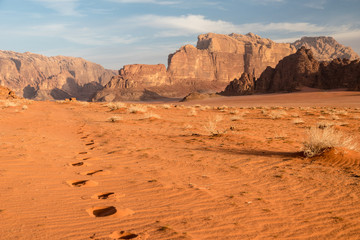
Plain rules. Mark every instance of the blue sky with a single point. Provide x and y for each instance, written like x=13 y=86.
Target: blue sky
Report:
x=118 y=32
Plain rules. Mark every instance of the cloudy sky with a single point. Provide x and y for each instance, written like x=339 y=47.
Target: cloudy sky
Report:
x=118 y=32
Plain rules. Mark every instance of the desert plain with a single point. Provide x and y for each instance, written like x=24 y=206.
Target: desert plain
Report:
x=220 y=168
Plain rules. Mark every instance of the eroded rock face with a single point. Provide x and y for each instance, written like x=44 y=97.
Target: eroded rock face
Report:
x=326 y=48
x=222 y=58
x=38 y=77
x=6 y=93
x=292 y=72
x=302 y=69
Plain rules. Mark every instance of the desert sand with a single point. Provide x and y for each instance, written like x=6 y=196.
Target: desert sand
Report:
x=221 y=168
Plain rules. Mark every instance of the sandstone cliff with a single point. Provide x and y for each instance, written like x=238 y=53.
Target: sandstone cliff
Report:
x=242 y=86
x=38 y=77
x=221 y=58
x=301 y=70
x=326 y=48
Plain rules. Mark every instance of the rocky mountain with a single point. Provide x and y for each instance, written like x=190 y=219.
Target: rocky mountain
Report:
x=38 y=77
x=210 y=66
x=299 y=70
x=326 y=48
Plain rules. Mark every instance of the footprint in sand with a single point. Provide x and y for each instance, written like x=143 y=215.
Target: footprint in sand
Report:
x=82 y=183
x=87 y=158
x=105 y=195
x=90 y=143
x=91 y=173
x=77 y=164
x=122 y=235
x=84 y=137
x=105 y=211
x=82 y=153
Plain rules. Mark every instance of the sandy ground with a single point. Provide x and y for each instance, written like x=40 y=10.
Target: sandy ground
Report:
x=193 y=171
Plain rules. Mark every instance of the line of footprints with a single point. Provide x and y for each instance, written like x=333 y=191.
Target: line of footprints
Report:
x=100 y=211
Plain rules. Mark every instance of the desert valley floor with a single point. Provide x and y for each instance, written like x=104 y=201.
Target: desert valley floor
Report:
x=221 y=168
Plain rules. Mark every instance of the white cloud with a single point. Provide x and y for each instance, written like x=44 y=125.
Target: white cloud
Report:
x=147 y=1
x=318 y=4
x=194 y=24
x=63 y=7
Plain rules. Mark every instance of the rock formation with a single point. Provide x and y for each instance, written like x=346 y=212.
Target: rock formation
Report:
x=6 y=93
x=211 y=65
x=38 y=77
x=242 y=86
x=221 y=58
x=326 y=48
x=301 y=70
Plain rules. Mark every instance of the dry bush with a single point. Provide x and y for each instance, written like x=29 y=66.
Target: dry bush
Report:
x=114 y=119
x=321 y=140
x=324 y=124
x=277 y=114
x=166 y=106
x=334 y=117
x=192 y=112
x=24 y=107
x=137 y=109
x=116 y=105
x=151 y=115
x=211 y=125
x=234 y=112
x=298 y=121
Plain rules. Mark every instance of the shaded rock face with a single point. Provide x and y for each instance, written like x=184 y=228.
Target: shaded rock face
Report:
x=6 y=93
x=42 y=78
x=300 y=70
x=242 y=86
x=326 y=48
x=294 y=71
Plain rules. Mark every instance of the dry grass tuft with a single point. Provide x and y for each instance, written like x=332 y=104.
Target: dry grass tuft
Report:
x=211 y=126
x=137 y=109
x=151 y=115
x=114 y=119
x=321 y=140
x=297 y=121
x=116 y=105
x=277 y=114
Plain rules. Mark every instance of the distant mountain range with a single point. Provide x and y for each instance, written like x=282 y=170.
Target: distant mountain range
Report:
x=210 y=66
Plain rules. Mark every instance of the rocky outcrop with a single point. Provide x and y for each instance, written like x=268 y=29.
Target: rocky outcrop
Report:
x=300 y=70
x=294 y=71
x=38 y=77
x=326 y=48
x=222 y=58
x=242 y=86
x=6 y=93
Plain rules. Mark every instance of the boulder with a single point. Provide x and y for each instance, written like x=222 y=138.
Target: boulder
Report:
x=242 y=86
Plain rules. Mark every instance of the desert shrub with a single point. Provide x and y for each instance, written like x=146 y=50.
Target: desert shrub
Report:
x=298 y=121
x=116 y=105
x=324 y=124
x=211 y=125
x=192 y=112
x=24 y=107
x=114 y=119
x=321 y=140
x=137 y=109
x=277 y=114
x=151 y=115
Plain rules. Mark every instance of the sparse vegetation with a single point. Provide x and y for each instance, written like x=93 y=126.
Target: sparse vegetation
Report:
x=321 y=140
x=298 y=121
x=151 y=115
x=137 y=109
x=211 y=126
x=114 y=119
x=116 y=105
x=277 y=114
